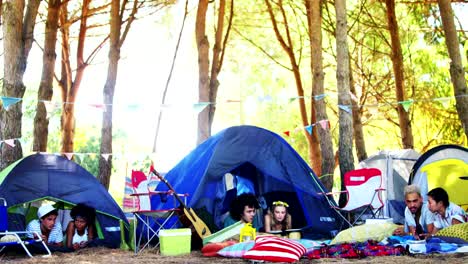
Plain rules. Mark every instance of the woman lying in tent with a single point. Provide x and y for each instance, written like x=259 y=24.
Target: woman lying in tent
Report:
x=80 y=231
x=278 y=218
x=445 y=212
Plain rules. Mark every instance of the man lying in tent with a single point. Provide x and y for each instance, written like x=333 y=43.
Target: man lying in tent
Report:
x=47 y=226
x=446 y=212
x=243 y=208
x=419 y=220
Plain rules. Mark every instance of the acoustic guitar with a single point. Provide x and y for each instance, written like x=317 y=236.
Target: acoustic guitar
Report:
x=194 y=222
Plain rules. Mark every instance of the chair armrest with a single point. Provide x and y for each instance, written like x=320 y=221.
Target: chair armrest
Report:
x=151 y=193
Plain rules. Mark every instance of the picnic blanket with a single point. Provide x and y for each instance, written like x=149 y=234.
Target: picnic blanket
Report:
x=356 y=250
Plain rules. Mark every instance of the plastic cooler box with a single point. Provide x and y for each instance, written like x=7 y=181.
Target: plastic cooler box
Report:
x=175 y=241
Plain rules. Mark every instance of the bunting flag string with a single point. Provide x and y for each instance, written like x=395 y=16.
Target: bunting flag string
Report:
x=197 y=107
x=53 y=106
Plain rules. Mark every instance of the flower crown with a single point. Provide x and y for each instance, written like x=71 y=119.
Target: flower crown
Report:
x=281 y=203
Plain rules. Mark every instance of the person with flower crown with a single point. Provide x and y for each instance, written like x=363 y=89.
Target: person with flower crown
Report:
x=278 y=218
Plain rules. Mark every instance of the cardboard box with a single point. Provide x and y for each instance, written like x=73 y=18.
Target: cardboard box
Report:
x=175 y=241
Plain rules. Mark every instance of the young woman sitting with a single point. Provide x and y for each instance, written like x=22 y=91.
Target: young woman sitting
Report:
x=81 y=229
x=278 y=218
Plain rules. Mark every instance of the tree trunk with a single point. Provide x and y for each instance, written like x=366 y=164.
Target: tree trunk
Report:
x=357 y=122
x=457 y=73
x=345 y=145
x=204 y=130
x=69 y=88
x=105 y=165
x=398 y=71
x=41 y=122
x=18 y=36
x=315 y=158
x=215 y=64
x=314 y=18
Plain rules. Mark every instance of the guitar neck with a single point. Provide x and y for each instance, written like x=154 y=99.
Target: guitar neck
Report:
x=170 y=188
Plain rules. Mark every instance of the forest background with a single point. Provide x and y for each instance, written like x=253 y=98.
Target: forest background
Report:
x=265 y=46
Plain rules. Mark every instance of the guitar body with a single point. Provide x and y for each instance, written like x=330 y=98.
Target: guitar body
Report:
x=200 y=227
x=188 y=217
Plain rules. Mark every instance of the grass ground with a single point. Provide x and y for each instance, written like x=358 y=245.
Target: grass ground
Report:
x=104 y=255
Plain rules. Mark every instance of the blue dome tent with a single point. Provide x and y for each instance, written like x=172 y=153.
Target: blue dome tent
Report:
x=251 y=159
x=55 y=178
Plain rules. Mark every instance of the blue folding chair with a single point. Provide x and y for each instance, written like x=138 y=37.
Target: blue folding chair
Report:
x=15 y=238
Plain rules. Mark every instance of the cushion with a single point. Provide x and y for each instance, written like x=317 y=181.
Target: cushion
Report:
x=237 y=250
x=458 y=231
x=365 y=232
x=275 y=249
x=211 y=249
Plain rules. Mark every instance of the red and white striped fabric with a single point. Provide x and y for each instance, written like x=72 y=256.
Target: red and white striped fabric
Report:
x=275 y=249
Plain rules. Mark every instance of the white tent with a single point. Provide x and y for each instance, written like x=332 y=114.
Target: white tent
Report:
x=396 y=167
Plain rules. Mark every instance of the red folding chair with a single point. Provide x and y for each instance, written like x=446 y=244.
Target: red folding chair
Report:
x=363 y=191
x=150 y=220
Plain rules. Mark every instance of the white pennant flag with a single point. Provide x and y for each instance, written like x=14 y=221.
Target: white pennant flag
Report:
x=69 y=155
x=105 y=156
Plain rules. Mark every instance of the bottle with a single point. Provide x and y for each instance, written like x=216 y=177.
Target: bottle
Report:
x=247 y=233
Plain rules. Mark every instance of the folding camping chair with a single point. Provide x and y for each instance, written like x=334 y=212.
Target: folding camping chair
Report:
x=363 y=191
x=14 y=238
x=151 y=221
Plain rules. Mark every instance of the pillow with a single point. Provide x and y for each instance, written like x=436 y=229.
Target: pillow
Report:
x=308 y=243
x=362 y=233
x=275 y=249
x=237 y=250
x=458 y=231
x=211 y=249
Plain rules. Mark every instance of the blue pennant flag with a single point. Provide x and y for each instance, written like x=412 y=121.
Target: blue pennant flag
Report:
x=319 y=97
x=9 y=101
x=309 y=128
x=345 y=108
x=198 y=107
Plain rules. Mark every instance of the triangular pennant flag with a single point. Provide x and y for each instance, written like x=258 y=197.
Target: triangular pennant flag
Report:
x=353 y=97
x=286 y=133
x=445 y=102
x=292 y=99
x=133 y=107
x=406 y=104
x=80 y=156
x=49 y=106
x=69 y=155
x=323 y=124
x=345 y=108
x=373 y=109
x=101 y=107
x=309 y=129
x=198 y=107
x=9 y=101
x=105 y=156
x=297 y=130
x=319 y=97
x=10 y=142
